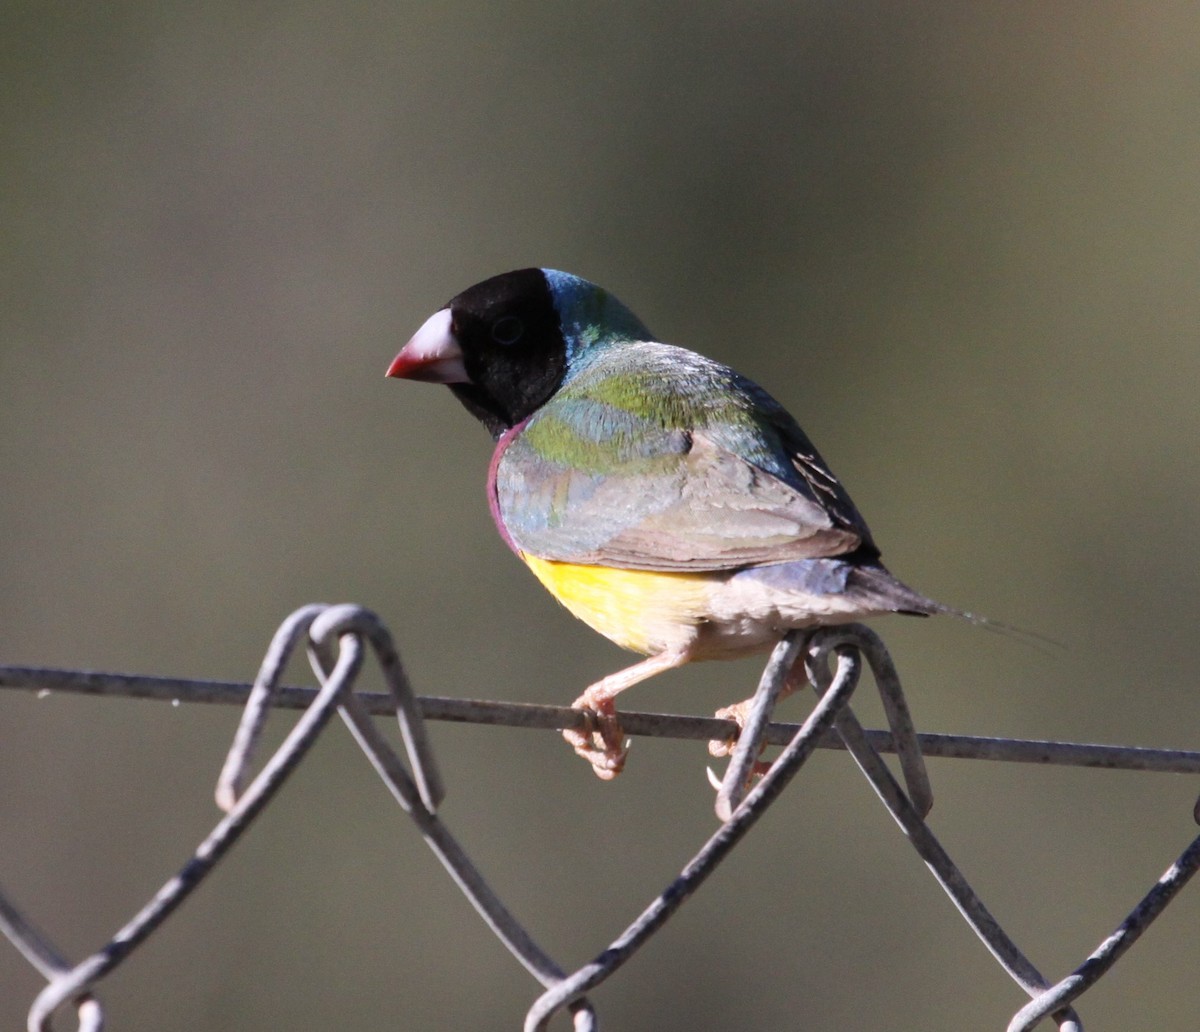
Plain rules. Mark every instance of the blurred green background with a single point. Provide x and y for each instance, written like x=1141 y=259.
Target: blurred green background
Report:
x=960 y=243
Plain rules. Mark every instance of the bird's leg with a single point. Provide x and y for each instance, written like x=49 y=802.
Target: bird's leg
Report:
x=796 y=679
x=603 y=745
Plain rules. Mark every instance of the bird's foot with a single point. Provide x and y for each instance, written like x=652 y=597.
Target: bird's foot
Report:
x=602 y=742
x=738 y=713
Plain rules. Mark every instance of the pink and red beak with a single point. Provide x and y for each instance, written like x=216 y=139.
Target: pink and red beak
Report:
x=433 y=355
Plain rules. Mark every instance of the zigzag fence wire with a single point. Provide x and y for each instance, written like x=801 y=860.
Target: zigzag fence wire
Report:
x=829 y=660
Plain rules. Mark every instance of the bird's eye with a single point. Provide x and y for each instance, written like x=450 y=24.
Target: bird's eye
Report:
x=507 y=330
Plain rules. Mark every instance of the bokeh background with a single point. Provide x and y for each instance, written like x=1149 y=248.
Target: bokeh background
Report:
x=959 y=242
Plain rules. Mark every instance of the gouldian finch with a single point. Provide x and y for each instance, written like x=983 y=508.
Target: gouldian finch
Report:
x=667 y=501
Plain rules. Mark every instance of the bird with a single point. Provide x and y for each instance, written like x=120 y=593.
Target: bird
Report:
x=664 y=499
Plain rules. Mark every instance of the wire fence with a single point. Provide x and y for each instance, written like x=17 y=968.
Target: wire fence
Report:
x=829 y=661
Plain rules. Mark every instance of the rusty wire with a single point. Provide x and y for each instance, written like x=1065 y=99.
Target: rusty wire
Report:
x=338 y=638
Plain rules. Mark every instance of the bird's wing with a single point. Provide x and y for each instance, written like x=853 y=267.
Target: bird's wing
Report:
x=710 y=474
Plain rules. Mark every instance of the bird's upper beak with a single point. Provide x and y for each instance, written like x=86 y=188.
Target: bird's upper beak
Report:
x=433 y=355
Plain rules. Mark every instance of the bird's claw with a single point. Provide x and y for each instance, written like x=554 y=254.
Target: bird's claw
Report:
x=601 y=742
x=725 y=746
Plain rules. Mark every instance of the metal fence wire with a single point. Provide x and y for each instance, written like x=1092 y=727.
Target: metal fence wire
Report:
x=338 y=640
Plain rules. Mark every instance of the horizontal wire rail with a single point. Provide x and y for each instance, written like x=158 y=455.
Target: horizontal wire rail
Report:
x=829 y=661
x=49 y=680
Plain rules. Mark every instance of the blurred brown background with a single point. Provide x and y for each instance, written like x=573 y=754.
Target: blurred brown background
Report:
x=961 y=244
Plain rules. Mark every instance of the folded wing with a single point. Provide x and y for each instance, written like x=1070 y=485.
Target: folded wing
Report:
x=663 y=460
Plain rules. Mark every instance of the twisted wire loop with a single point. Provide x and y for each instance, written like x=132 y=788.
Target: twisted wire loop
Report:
x=773 y=686
x=324 y=625
x=718 y=846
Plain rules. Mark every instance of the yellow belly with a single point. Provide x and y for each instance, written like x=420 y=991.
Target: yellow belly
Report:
x=641 y=610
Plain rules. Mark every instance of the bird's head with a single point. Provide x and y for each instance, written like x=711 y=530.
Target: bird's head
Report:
x=504 y=346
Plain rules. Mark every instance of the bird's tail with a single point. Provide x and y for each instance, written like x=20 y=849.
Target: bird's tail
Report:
x=876 y=587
